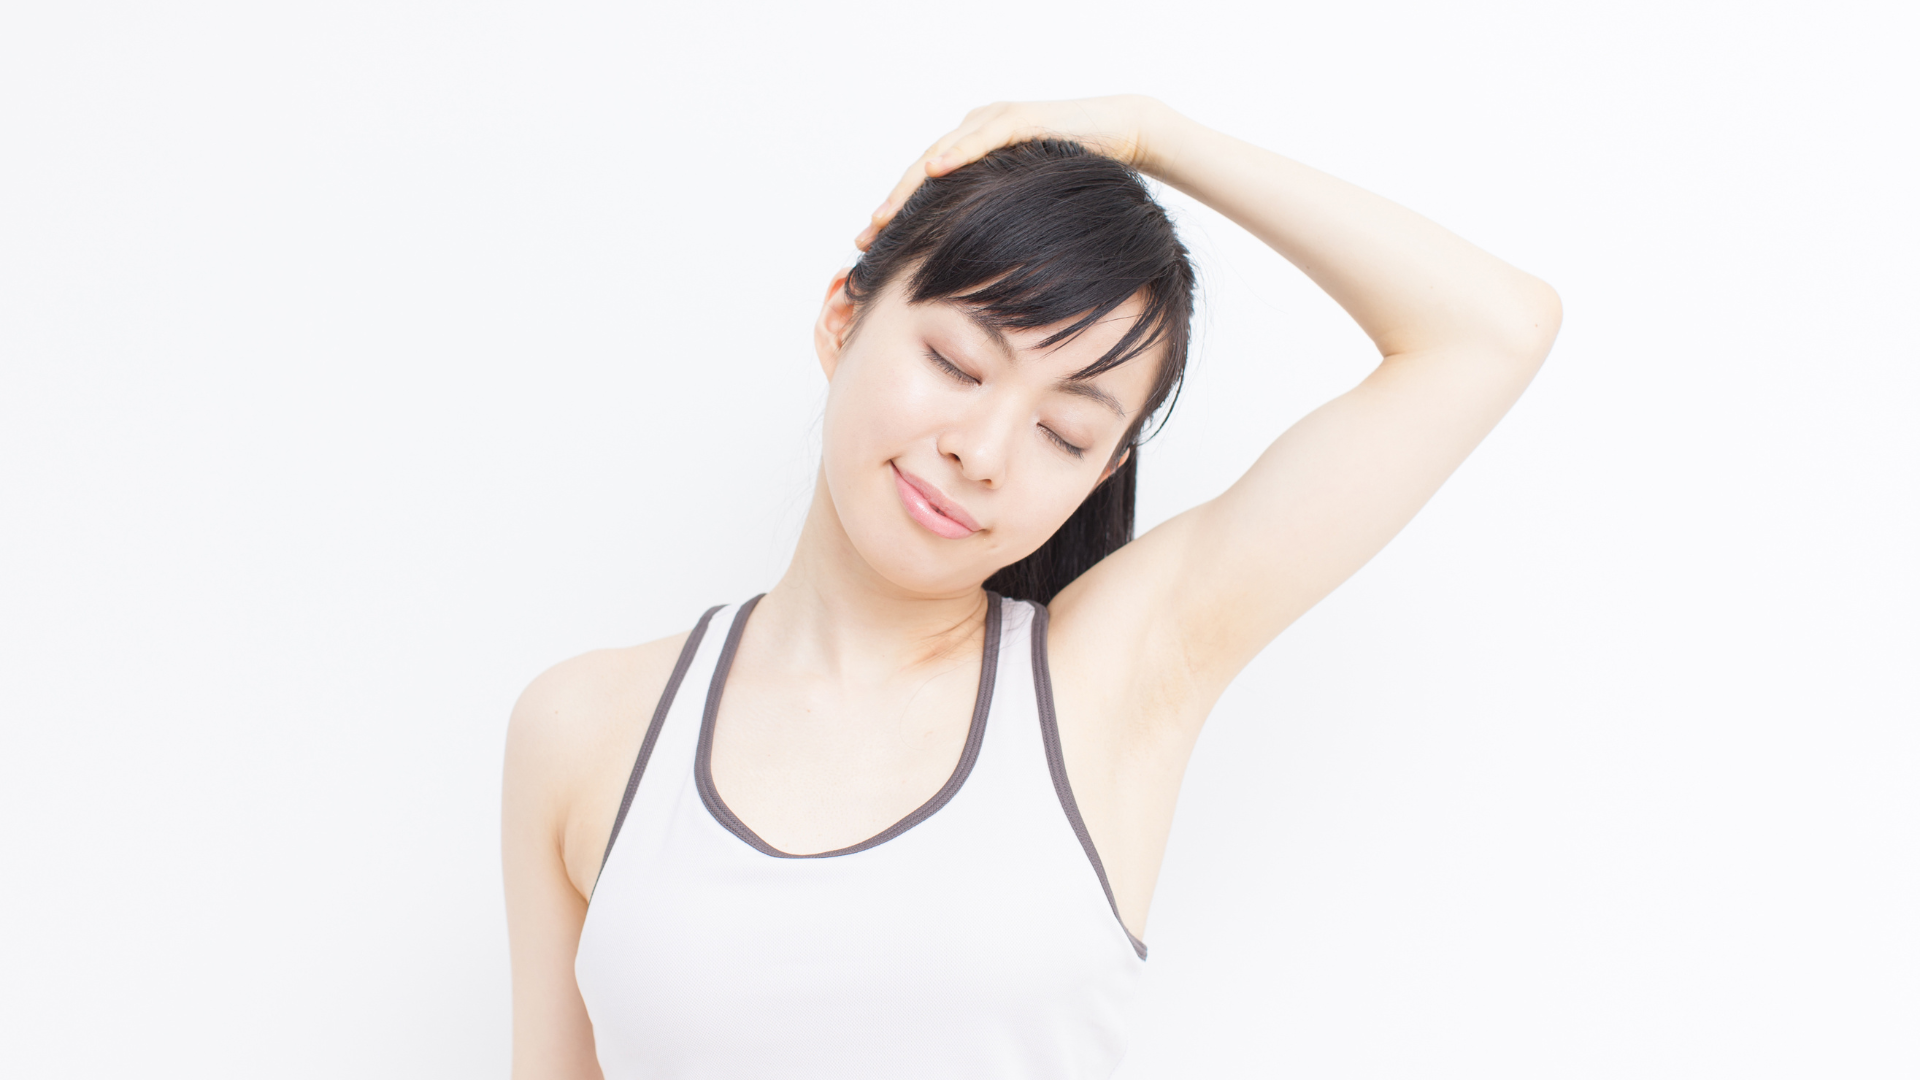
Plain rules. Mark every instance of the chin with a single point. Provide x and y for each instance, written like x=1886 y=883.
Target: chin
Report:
x=915 y=564
x=905 y=553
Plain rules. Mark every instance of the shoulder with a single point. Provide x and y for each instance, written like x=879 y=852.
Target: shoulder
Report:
x=573 y=736
x=571 y=708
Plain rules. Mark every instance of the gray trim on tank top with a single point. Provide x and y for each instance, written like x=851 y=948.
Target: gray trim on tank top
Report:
x=976 y=733
x=680 y=667
x=1057 y=765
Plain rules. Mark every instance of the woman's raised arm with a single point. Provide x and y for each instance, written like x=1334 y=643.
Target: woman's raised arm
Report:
x=1460 y=335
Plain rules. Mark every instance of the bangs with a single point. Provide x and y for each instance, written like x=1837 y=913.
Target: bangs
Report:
x=1022 y=255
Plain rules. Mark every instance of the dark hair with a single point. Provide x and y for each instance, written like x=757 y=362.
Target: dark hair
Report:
x=1035 y=234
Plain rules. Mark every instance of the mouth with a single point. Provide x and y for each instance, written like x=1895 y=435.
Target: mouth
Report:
x=933 y=510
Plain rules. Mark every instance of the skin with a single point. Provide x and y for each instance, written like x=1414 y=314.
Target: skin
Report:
x=852 y=689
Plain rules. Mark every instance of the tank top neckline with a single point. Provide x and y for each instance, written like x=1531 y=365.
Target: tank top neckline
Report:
x=969 y=753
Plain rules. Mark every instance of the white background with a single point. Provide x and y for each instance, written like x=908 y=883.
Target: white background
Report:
x=361 y=360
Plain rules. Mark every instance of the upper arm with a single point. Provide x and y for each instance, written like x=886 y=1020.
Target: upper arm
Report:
x=1199 y=596
x=552 y=1036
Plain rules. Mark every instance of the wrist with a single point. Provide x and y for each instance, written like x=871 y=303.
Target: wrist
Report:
x=1163 y=137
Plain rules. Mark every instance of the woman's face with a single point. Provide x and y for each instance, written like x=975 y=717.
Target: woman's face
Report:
x=952 y=449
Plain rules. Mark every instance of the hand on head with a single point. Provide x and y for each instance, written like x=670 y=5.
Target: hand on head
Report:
x=1114 y=126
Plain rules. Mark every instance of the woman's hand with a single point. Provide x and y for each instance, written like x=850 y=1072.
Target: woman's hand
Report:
x=1130 y=127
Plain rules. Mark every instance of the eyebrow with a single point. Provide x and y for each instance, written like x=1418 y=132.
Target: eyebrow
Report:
x=1092 y=393
x=1077 y=387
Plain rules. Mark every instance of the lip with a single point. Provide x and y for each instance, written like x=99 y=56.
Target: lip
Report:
x=932 y=509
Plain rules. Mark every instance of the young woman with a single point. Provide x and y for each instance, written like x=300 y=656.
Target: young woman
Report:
x=901 y=815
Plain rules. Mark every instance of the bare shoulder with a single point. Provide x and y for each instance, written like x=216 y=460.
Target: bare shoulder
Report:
x=571 y=742
x=570 y=707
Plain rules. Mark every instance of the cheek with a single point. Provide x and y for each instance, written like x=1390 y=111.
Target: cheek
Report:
x=1046 y=502
x=868 y=421
x=876 y=410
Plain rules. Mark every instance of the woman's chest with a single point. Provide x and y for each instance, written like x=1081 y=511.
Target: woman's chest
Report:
x=976 y=938
x=811 y=768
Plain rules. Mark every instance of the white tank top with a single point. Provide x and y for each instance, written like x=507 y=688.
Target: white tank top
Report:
x=976 y=937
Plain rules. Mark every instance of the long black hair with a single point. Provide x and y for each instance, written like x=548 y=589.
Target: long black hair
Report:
x=1035 y=234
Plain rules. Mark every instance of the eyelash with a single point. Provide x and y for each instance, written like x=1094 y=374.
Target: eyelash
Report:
x=949 y=368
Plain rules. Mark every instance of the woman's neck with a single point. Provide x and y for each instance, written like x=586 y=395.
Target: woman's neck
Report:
x=832 y=615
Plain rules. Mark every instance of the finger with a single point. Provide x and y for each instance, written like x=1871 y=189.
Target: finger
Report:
x=915 y=175
x=970 y=146
x=974 y=134
x=891 y=205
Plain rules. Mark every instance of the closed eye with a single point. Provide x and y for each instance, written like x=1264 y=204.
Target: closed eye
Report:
x=947 y=366
x=1062 y=443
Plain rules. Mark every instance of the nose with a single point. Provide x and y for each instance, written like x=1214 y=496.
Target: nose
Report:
x=979 y=442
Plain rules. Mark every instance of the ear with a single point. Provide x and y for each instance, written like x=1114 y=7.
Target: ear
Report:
x=836 y=316
x=1115 y=467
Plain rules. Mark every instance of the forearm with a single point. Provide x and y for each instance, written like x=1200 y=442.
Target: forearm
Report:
x=1412 y=286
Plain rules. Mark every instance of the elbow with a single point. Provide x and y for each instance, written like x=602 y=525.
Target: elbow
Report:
x=1536 y=322
x=1512 y=323
x=1517 y=326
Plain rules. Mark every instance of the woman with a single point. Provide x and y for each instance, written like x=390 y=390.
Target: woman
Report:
x=902 y=815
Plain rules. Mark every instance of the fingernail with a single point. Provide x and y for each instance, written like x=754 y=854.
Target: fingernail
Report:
x=880 y=211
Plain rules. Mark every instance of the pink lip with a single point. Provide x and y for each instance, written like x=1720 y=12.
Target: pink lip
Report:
x=926 y=505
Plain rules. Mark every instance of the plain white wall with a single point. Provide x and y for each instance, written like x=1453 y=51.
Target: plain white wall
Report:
x=363 y=359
